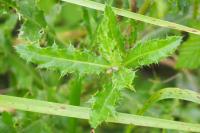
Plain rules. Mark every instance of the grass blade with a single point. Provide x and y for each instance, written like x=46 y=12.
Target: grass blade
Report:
x=171 y=93
x=83 y=113
x=74 y=98
x=136 y=16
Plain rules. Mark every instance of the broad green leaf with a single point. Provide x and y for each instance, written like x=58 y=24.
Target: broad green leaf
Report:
x=190 y=54
x=171 y=93
x=105 y=101
x=151 y=51
x=109 y=38
x=63 y=60
x=83 y=113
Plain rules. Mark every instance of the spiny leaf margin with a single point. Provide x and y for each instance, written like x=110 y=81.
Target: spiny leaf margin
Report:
x=151 y=51
x=63 y=60
x=105 y=101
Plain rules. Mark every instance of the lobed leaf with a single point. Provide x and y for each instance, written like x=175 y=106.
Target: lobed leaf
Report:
x=106 y=100
x=104 y=104
x=151 y=51
x=63 y=60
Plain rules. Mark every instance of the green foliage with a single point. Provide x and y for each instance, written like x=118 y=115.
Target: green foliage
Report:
x=82 y=112
x=63 y=60
x=30 y=31
x=128 y=14
x=189 y=54
x=180 y=5
x=75 y=93
x=190 y=51
x=151 y=51
x=23 y=76
x=94 y=52
x=34 y=24
x=123 y=78
x=111 y=46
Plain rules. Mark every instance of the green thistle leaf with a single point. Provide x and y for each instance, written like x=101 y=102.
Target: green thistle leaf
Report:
x=106 y=100
x=63 y=60
x=104 y=104
x=151 y=51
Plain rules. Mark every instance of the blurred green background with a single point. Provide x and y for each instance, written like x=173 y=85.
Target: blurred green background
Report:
x=76 y=25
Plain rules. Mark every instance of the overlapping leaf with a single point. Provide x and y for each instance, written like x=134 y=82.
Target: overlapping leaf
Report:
x=63 y=60
x=151 y=51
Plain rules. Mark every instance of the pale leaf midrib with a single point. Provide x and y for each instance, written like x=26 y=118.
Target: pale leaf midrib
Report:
x=75 y=61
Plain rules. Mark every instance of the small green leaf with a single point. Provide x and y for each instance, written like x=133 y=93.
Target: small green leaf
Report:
x=63 y=60
x=151 y=51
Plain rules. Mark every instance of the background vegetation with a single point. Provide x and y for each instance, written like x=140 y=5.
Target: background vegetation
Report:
x=60 y=25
